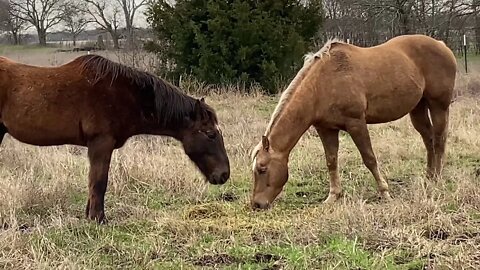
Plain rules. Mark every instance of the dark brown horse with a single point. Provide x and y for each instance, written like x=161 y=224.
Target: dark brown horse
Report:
x=94 y=102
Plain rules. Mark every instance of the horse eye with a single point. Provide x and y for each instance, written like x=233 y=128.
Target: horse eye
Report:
x=262 y=170
x=211 y=134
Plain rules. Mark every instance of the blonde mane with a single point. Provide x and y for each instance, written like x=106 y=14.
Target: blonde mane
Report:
x=309 y=59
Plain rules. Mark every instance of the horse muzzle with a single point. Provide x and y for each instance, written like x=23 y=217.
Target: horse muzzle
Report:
x=219 y=178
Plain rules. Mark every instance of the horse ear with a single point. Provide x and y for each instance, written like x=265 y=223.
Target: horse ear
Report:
x=199 y=111
x=265 y=143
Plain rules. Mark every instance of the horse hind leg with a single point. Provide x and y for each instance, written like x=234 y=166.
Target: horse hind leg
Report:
x=440 y=115
x=421 y=122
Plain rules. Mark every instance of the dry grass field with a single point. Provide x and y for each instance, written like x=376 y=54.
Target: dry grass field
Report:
x=162 y=214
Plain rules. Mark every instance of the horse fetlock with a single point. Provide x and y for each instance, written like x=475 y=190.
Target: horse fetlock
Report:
x=95 y=212
x=335 y=189
x=435 y=175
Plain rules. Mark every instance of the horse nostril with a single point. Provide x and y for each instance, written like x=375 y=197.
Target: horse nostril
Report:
x=255 y=205
x=219 y=179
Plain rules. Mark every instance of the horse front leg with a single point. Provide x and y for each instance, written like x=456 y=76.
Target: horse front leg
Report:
x=357 y=128
x=99 y=154
x=3 y=131
x=329 y=139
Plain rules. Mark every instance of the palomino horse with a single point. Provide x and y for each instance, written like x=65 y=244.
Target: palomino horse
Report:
x=94 y=102
x=345 y=87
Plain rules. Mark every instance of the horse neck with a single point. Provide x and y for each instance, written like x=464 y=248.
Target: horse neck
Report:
x=168 y=117
x=294 y=120
x=154 y=129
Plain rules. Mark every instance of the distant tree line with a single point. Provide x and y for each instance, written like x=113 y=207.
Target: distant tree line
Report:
x=72 y=16
x=369 y=22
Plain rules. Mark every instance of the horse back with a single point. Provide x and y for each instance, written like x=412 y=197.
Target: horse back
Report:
x=61 y=105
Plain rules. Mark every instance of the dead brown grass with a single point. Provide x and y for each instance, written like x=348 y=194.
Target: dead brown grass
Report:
x=164 y=216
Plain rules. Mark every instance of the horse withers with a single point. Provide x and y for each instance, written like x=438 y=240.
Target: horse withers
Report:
x=345 y=87
x=94 y=102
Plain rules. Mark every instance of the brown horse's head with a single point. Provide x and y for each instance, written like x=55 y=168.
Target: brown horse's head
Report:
x=203 y=143
x=270 y=173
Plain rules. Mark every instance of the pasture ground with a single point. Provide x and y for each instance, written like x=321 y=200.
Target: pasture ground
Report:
x=162 y=214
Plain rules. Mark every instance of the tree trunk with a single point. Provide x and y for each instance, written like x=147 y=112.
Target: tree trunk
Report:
x=128 y=25
x=15 y=36
x=477 y=35
x=74 y=41
x=476 y=11
x=115 y=40
x=130 y=41
x=404 y=27
x=42 y=37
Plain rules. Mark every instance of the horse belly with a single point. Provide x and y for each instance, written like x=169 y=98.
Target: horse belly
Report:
x=391 y=105
x=43 y=137
x=42 y=131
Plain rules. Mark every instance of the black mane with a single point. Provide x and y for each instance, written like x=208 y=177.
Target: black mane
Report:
x=169 y=104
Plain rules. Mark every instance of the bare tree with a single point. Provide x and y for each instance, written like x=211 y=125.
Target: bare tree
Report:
x=130 y=8
x=105 y=14
x=11 y=23
x=74 y=20
x=42 y=14
x=4 y=15
x=369 y=22
x=476 y=14
x=16 y=26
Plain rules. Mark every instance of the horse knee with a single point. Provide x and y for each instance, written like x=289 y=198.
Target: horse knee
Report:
x=331 y=162
x=370 y=162
x=440 y=137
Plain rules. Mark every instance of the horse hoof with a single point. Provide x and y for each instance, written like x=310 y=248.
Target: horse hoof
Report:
x=100 y=218
x=332 y=198
x=386 y=196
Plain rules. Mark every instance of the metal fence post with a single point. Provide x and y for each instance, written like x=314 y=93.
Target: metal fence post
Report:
x=465 y=51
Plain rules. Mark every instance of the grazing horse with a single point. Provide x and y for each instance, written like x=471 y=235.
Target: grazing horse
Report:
x=94 y=102
x=345 y=87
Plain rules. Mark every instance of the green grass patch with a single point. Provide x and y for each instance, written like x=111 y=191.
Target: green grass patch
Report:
x=336 y=252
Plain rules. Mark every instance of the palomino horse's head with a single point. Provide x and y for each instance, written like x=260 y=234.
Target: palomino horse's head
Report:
x=270 y=173
x=203 y=143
